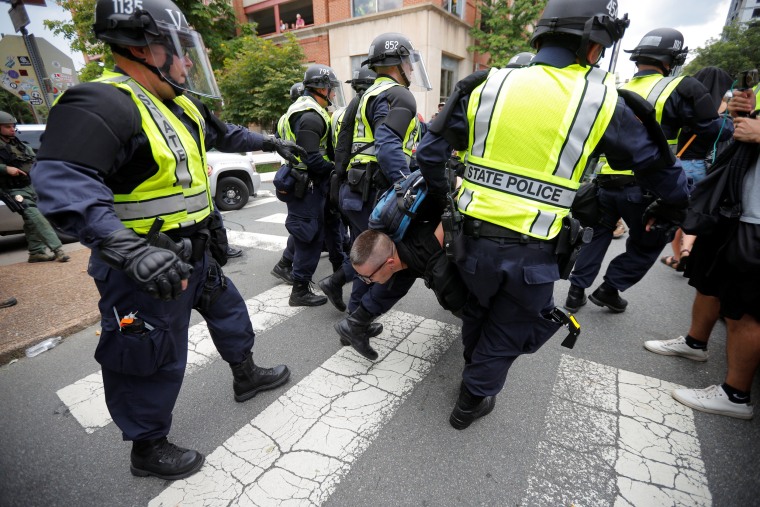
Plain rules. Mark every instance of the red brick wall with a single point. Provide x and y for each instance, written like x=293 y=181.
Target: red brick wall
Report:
x=316 y=49
x=338 y=10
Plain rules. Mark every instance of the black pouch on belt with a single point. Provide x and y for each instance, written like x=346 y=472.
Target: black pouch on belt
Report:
x=215 y=283
x=570 y=239
x=359 y=181
x=302 y=182
x=217 y=236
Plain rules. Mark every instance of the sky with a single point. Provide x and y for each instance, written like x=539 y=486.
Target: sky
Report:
x=698 y=20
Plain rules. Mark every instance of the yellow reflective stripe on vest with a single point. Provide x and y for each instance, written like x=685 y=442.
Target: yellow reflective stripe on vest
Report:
x=302 y=104
x=179 y=191
x=363 y=134
x=336 y=121
x=527 y=156
x=656 y=89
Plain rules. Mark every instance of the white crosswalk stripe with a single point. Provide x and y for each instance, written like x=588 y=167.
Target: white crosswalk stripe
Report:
x=616 y=438
x=277 y=218
x=298 y=448
x=270 y=242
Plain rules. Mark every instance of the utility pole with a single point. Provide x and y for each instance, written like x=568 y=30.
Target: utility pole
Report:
x=20 y=20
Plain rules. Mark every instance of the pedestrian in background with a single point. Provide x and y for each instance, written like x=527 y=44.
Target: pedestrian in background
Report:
x=123 y=167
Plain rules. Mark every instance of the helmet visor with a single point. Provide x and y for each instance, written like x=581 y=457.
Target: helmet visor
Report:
x=414 y=68
x=195 y=74
x=336 y=93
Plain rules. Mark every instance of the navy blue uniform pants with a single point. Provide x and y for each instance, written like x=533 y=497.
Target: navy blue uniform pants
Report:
x=305 y=223
x=512 y=287
x=641 y=248
x=143 y=372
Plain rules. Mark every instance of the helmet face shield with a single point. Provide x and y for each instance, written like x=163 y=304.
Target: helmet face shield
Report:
x=196 y=75
x=336 y=94
x=414 y=68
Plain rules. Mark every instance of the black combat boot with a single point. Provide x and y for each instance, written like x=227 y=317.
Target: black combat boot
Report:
x=163 y=459
x=608 y=296
x=284 y=270
x=470 y=407
x=249 y=379
x=332 y=286
x=354 y=331
x=576 y=297
x=301 y=295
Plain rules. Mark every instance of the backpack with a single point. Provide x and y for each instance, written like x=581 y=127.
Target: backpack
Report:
x=398 y=206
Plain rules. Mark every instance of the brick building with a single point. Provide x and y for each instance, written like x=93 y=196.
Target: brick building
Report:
x=339 y=32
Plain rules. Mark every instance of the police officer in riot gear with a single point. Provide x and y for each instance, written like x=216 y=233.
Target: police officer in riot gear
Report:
x=296 y=91
x=123 y=167
x=525 y=147
x=678 y=102
x=16 y=160
x=386 y=128
x=307 y=123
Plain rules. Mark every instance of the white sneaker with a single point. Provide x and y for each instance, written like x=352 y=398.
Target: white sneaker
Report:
x=675 y=347
x=713 y=400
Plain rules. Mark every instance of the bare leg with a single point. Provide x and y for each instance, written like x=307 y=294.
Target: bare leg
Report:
x=743 y=352
x=704 y=315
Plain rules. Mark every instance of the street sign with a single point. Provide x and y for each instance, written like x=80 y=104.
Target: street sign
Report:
x=18 y=14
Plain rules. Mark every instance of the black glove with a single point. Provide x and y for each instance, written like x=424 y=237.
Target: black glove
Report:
x=667 y=216
x=286 y=149
x=157 y=271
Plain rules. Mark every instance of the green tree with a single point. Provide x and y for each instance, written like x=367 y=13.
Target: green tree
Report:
x=504 y=28
x=256 y=78
x=215 y=21
x=738 y=49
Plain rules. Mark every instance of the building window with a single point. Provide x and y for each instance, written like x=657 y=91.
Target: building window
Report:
x=364 y=7
x=456 y=7
x=449 y=76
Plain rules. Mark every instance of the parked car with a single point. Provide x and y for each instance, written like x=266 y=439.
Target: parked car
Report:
x=233 y=181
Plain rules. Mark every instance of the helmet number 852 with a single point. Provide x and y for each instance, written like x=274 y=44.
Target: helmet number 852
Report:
x=126 y=6
x=391 y=44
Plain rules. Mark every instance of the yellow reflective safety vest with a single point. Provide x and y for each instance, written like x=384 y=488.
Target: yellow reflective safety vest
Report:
x=531 y=132
x=656 y=89
x=363 y=134
x=336 y=120
x=304 y=103
x=179 y=191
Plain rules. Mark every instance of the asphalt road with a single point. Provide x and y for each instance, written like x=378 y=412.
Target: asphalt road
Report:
x=594 y=425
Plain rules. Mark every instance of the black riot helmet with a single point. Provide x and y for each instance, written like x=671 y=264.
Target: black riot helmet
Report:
x=363 y=79
x=661 y=47
x=520 y=60
x=296 y=91
x=162 y=26
x=590 y=20
x=321 y=76
x=396 y=50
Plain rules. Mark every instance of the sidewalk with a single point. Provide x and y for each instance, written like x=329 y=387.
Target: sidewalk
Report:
x=54 y=299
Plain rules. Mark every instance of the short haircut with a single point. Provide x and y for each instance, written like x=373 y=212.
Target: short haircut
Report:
x=367 y=245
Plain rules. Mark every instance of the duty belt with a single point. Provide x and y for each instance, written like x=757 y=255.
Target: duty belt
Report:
x=481 y=229
x=612 y=181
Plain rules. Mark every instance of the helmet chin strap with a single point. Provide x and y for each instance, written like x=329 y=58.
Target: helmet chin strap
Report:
x=161 y=72
x=403 y=74
x=315 y=92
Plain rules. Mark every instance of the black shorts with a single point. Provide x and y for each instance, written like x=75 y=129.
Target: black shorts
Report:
x=710 y=274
